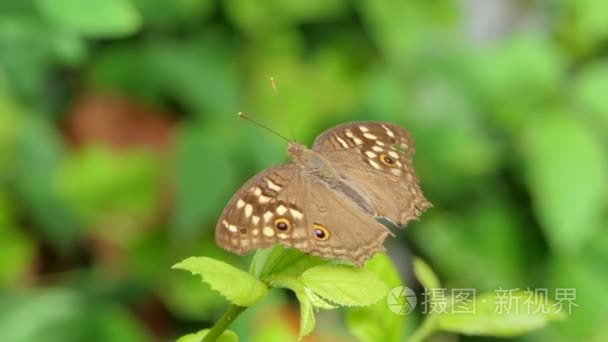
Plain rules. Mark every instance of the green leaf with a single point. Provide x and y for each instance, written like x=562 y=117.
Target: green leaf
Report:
x=279 y=260
x=306 y=297
x=566 y=172
x=345 y=285
x=425 y=274
x=237 y=286
x=93 y=18
x=185 y=294
x=307 y=315
x=298 y=287
x=226 y=336
x=487 y=320
x=317 y=301
x=377 y=322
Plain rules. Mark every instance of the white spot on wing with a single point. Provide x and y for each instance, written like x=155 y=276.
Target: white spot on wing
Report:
x=273 y=186
x=240 y=203
x=342 y=142
x=281 y=210
x=264 y=199
x=358 y=141
x=349 y=134
x=268 y=231
x=257 y=191
x=268 y=215
x=255 y=219
x=370 y=136
x=248 y=210
x=379 y=143
x=377 y=148
x=370 y=154
x=364 y=129
x=232 y=228
x=374 y=164
x=393 y=154
x=396 y=172
x=296 y=214
x=388 y=132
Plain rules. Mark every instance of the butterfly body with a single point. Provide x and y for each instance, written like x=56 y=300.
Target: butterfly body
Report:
x=321 y=170
x=327 y=200
x=311 y=160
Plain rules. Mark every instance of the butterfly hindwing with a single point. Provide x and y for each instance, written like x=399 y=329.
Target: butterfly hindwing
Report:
x=283 y=204
x=245 y=221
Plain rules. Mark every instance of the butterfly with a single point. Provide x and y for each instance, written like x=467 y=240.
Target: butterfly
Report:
x=330 y=199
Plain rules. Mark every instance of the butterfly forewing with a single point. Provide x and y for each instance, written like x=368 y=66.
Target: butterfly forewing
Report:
x=377 y=157
x=364 y=136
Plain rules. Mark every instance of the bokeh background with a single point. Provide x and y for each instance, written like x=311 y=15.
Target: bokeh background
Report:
x=120 y=145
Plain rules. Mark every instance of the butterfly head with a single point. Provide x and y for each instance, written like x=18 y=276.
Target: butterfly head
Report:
x=302 y=155
x=295 y=150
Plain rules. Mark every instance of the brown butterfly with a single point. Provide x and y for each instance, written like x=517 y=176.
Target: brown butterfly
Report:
x=327 y=201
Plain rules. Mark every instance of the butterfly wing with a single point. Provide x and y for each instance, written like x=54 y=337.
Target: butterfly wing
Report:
x=285 y=205
x=377 y=157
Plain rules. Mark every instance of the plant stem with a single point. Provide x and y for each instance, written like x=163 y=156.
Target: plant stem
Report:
x=426 y=329
x=220 y=326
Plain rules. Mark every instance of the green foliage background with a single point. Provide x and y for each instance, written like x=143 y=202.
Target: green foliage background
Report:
x=119 y=146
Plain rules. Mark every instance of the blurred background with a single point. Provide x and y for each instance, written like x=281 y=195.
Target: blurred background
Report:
x=120 y=145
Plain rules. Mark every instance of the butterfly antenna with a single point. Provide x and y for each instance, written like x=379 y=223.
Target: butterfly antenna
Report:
x=245 y=117
x=282 y=105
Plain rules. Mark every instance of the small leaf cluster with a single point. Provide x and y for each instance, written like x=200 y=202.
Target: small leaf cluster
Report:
x=317 y=283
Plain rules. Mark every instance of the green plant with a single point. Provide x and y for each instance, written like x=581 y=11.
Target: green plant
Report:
x=317 y=283
x=328 y=284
